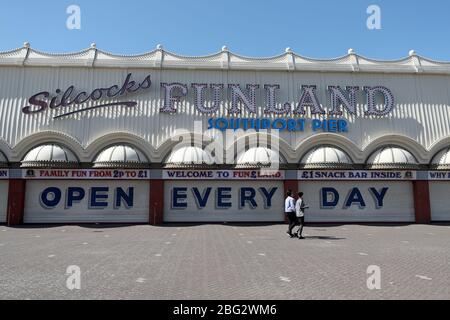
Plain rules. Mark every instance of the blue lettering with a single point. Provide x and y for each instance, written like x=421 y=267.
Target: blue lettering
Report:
x=177 y=195
x=248 y=195
x=96 y=195
x=268 y=196
x=343 y=126
x=326 y=192
x=379 y=196
x=50 y=202
x=279 y=124
x=355 y=197
x=126 y=197
x=223 y=194
x=74 y=194
x=201 y=200
x=316 y=125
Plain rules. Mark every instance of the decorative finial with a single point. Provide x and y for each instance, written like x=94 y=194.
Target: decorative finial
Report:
x=351 y=51
x=26 y=45
x=288 y=50
x=224 y=48
x=412 y=53
x=159 y=47
x=93 y=45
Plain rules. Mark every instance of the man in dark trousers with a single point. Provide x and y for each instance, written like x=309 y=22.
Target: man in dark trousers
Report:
x=289 y=209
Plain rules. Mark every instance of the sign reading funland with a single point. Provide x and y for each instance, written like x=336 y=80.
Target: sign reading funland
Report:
x=378 y=101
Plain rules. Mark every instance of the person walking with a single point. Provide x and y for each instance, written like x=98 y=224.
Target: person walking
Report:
x=300 y=207
x=289 y=209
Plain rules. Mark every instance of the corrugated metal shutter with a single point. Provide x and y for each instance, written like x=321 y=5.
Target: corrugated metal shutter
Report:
x=397 y=205
x=3 y=200
x=202 y=205
x=122 y=201
x=440 y=200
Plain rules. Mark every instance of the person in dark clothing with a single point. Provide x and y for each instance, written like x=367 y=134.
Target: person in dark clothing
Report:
x=289 y=209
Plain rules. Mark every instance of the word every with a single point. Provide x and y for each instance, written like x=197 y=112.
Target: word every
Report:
x=223 y=197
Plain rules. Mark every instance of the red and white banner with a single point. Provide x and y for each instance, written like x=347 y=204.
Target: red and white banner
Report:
x=223 y=175
x=85 y=174
x=356 y=175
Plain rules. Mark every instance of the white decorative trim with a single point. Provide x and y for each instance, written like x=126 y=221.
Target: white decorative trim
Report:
x=159 y=58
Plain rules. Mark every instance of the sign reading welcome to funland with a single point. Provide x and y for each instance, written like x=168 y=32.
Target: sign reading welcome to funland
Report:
x=241 y=98
x=223 y=175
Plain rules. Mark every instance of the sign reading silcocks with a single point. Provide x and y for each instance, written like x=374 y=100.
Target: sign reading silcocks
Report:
x=240 y=99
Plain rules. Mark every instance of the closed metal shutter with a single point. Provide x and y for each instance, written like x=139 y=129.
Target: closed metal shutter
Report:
x=353 y=201
x=440 y=201
x=223 y=201
x=3 y=200
x=87 y=202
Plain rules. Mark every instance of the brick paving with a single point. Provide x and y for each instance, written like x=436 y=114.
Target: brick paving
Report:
x=225 y=262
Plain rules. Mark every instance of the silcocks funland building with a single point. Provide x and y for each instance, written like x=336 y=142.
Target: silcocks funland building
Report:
x=94 y=137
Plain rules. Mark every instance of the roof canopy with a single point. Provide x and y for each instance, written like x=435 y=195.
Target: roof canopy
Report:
x=50 y=155
x=258 y=158
x=121 y=156
x=188 y=156
x=224 y=59
x=442 y=160
x=392 y=157
x=326 y=157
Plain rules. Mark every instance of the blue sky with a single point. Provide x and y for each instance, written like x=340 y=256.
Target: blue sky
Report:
x=315 y=28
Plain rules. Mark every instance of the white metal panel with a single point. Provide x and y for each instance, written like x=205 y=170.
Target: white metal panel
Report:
x=440 y=200
x=421 y=113
x=81 y=211
x=3 y=200
x=211 y=212
x=397 y=206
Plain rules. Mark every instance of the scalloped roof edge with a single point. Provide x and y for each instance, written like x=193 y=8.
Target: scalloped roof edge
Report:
x=225 y=59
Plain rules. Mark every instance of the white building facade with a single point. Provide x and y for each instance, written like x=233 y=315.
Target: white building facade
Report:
x=96 y=137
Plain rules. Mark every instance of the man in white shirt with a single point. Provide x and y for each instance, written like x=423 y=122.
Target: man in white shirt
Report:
x=300 y=207
x=289 y=209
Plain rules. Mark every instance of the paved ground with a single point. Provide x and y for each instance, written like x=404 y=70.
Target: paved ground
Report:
x=225 y=262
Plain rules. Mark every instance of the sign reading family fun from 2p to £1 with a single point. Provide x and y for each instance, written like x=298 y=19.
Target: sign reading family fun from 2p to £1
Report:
x=288 y=116
x=85 y=174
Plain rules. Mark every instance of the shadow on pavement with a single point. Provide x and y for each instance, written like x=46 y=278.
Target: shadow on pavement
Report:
x=324 y=238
